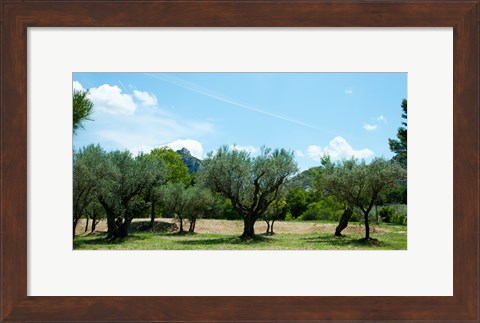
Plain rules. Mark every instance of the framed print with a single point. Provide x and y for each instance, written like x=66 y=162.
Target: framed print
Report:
x=135 y=54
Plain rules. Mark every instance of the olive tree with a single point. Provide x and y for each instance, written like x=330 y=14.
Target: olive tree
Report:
x=198 y=201
x=86 y=170
x=175 y=201
x=275 y=209
x=175 y=172
x=251 y=183
x=94 y=212
x=273 y=213
x=124 y=180
x=359 y=184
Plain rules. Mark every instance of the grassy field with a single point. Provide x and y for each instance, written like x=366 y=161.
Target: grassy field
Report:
x=224 y=235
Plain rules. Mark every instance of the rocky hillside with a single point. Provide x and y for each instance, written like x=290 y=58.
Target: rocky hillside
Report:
x=304 y=179
x=193 y=164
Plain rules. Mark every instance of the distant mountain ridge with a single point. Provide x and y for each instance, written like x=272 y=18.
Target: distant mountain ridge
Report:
x=304 y=179
x=193 y=163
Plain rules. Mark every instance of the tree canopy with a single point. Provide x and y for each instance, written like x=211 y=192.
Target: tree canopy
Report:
x=359 y=184
x=186 y=203
x=176 y=170
x=251 y=183
x=85 y=180
x=123 y=180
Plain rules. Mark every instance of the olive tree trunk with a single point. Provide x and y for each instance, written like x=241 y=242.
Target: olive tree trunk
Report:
x=367 y=226
x=268 y=227
x=248 y=230
x=152 y=215
x=347 y=214
x=75 y=222
x=94 y=221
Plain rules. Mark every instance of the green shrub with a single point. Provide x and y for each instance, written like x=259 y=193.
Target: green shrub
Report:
x=387 y=213
x=289 y=217
x=357 y=216
x=308 y=216
x=326 y=209
x=394 y=214
x=399 y=218
x=222 y=209
x=338 y=214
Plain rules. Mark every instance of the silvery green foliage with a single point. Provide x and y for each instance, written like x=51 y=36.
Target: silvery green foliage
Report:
x=118 y=180
x=173 y=198
x=251 y=183
x=358 y=183
x=198 y=201
x=126 y=177
x=185 y=203
x=85 y=177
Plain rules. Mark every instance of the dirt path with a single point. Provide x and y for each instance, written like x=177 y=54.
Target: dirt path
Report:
x=236 y=227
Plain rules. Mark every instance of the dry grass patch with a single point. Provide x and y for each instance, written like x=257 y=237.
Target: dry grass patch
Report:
x=211 y=226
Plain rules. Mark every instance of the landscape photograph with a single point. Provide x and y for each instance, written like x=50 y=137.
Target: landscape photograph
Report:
x=239 y=161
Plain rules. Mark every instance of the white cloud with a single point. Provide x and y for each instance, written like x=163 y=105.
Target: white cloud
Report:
x=141 y=149
x=337 y=148
x=110 y=99
x=299 y=153
x=369 y=127
x=248 y=149
x=348 y=91
x=315 y=152
x=382 y=119
x=146 y=99
x=77 y=86
x=195 y=147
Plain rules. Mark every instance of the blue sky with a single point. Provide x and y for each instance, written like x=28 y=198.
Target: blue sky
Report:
x=342 y=114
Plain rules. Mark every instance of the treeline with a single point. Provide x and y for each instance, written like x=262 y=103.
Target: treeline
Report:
x=231 y=185
x=119 y=187
x=305 y=204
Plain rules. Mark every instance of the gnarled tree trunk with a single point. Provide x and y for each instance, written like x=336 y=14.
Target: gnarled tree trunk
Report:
x=347 y=214
x=248 y=230
x=193 y=221
x=181 y=226
x=270 y=223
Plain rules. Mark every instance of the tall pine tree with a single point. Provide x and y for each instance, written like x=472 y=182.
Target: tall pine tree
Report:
x=399 y=146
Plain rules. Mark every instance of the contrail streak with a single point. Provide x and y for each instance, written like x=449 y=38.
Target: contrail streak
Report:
x=123 y=86
x=206 y=92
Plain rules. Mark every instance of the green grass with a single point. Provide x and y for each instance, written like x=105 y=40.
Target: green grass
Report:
x=395 y=239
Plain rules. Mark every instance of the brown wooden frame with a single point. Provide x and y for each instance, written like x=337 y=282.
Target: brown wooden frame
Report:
x=17 y=16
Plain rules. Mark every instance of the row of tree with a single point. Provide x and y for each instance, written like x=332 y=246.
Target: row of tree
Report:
x=126 y=187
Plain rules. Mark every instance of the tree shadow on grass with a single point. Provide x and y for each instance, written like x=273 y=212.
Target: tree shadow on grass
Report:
x=234 y=240
x=102 y=240
x=158 y=227
x=345 y=241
